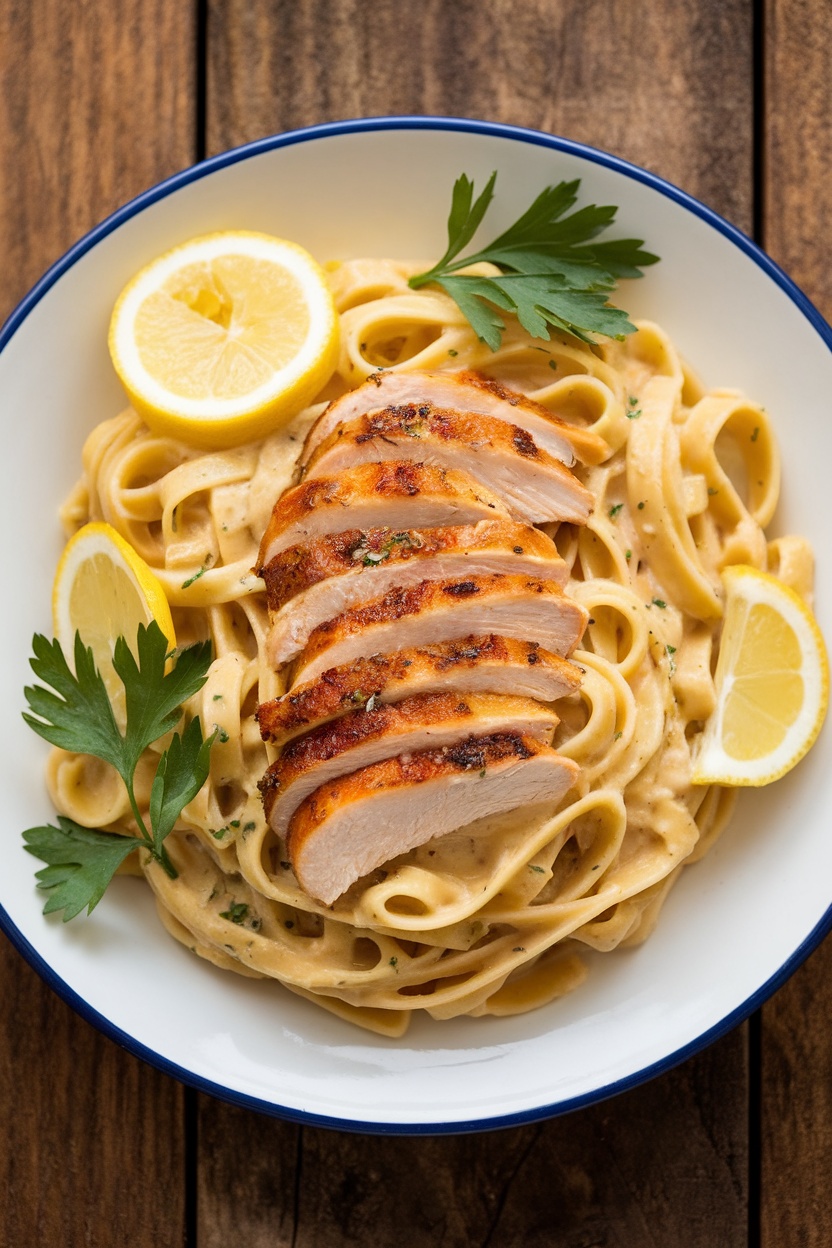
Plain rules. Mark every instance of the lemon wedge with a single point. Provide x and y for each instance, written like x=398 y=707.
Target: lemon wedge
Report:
x=225 y=338
x=772 y=684
x=104 y=590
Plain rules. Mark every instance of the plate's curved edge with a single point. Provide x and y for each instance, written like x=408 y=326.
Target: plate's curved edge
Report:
x=465 y=1126
x=192 y=174
x=358 y=125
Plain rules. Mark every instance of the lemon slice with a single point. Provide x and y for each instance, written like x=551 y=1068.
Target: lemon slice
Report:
x=772 y=684
x=104 y=591
x=225 y=338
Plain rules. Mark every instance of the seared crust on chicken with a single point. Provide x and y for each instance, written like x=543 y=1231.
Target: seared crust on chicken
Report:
x=394 y=494
x=306 y=586
x=430 y=720
x=365 y=552
x=433 y=611
x=467 y=392
x=533 y=485
x=486 y=664
x=347 y=828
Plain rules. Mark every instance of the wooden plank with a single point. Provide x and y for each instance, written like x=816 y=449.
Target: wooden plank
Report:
x=666 y=85
x=97 y=103
x=669 y=86
x=797 y=232
x=664 y=1164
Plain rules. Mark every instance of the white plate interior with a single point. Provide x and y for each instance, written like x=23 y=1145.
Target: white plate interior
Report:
x=734 y=921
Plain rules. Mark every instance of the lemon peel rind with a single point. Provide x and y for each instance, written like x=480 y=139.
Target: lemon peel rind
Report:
x=712 y=764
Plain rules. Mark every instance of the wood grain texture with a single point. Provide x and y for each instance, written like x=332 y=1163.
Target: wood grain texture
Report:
x=668 y=85
x=97 y=103
x=93 y=1147
x=664 y=1164
x=796 y=1055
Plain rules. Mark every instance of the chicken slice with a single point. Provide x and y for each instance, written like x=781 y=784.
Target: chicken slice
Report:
x=466 y=392
x=505 y=458
x=397 y=495
x=474 y=665
x=311 y=584
x=433 y=611
x=344 y=830
x=429 y=720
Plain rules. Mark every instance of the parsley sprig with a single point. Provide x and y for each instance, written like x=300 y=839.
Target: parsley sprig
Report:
x=75 y=714
x=552 y=276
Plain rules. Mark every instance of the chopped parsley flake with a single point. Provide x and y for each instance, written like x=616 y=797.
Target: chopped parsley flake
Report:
x=205 y=566
x=236 y=913
x=613 y=512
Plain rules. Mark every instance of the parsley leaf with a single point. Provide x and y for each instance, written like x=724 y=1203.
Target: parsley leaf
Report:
x=75 y=714
x=552 y=275
x=81 y=864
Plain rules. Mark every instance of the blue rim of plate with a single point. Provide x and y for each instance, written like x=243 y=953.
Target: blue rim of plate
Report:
x=494 y=130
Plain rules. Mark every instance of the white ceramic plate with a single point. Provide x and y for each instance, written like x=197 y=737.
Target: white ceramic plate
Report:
x=736 y=925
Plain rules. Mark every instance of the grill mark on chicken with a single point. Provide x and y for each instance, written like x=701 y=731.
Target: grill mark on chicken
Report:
x=333 y=840
x=477 y=664
x=462 y=589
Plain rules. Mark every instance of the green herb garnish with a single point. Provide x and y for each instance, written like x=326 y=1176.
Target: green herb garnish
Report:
x=78 y=716
x=551 y=276
x=236 y=912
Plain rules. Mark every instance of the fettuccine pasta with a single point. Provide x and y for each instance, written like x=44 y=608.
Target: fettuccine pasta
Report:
x=492 y=919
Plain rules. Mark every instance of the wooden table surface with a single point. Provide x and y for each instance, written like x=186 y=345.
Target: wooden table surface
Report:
x=730 y=99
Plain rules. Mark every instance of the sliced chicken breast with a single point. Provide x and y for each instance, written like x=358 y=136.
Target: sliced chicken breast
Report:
x=344 y=830
x=428 y=721
x=474 y=665
x=466 y=392
x=434 y=611
x=396 y=495
x=353 y=568
x=505 y=458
